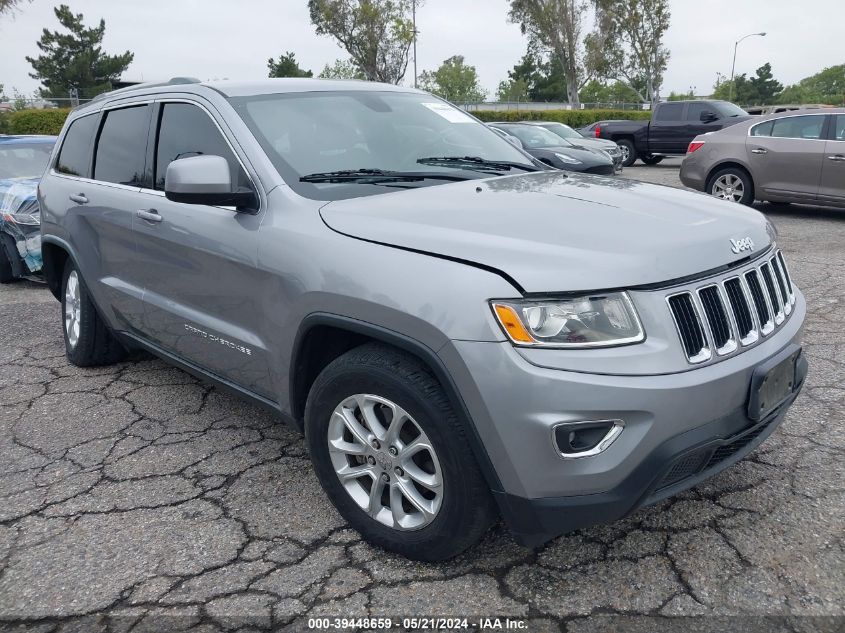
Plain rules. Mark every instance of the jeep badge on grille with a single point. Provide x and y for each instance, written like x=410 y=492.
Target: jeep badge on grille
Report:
x=744 y=244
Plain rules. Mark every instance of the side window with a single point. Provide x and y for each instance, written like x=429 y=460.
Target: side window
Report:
x=122 y=146
x=839 y=127
x=695 y=109
x=184 y=130
x=669 y=112
x=75 y=153
x=764 y=129
x=809 y=127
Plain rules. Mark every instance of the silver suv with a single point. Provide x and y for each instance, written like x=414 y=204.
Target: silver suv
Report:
x=460 y=332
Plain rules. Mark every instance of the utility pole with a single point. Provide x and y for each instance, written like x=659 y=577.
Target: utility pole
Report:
x=414 y=18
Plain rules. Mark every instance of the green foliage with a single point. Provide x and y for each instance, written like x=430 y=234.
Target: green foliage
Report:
x=572 y=118
x=595 y=91
x=512 y=90
x=286 y=66
x=377 y=34
x=341 y=69
x=827 y=86
x=454 y=80
x=761 y=89
x=7 y=6
x=543 y=80
x=35 y=121
x=680 y=96
x=75 y=59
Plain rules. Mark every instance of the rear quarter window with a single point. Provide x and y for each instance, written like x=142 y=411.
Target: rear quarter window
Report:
x=75 y=153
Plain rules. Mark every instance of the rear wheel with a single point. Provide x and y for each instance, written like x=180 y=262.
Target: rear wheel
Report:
x=651 y=159
x=732 y=183
x=393 y=457
x=88 y=340
x=629 y=152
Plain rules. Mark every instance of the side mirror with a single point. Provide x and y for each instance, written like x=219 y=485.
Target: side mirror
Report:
x=207 y=180
x=708 y=116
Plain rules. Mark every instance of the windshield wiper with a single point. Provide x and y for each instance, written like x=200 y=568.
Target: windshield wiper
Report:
x=374 y=176
x=475 y=162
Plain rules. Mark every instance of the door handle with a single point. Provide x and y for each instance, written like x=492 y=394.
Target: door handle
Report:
x=79 y=198
x=759 y=150
x=838 y=158
x=150 y=215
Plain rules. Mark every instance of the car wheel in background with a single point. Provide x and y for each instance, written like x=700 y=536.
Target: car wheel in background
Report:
x=88 y=340
x=6 y=274
x=732 y=183
x=393 y=457
x=651 y=159
x=629 y=152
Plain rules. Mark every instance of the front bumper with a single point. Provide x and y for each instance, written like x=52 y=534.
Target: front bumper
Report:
x=515 y=404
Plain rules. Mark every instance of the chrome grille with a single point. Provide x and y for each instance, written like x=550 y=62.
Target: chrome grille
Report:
x=734 y=312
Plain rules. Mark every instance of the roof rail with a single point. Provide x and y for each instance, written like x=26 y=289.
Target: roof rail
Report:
x=174 y=81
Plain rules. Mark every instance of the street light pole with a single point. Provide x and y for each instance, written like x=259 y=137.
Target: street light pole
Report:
x=414 y=18
x=733 y=66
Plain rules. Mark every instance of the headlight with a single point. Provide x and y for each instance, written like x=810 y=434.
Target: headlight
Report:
x=30 y=219
x=589 y=321
x=568 y=159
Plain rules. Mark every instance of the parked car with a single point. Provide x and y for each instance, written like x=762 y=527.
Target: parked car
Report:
x=578 y=140
x=786 y=157
x=673 y=125
x=22 y=161
x=774 y=109
x=557 y=152
x=458 y=333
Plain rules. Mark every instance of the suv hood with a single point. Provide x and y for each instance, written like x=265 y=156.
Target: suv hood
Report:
x=557 y=232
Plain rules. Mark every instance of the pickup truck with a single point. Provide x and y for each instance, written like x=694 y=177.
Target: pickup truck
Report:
x=673 y=125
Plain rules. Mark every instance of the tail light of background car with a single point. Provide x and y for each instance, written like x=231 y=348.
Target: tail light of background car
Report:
x=598 y=131
x=694 y=146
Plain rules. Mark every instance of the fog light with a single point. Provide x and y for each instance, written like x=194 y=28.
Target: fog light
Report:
x=585 y=439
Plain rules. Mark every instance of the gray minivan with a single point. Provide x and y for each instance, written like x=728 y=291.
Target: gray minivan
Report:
x=460 y=332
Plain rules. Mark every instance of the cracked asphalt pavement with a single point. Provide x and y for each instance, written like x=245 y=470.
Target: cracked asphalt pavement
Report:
x=134 y=497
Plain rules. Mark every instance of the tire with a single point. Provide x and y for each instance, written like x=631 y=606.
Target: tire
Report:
x=651 y=159
x=629 y=152
x=88 y=340
x=6 y=274
x=731 y=183
x=382 y=378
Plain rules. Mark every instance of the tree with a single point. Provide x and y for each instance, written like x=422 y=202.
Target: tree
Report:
x=454 y=80
x=556 y=26
x=628 y=44
x=827 y=86
x=680 y=96
x=741 y=90
x=341 y=69
x=595 y=91
x=8 y=6
x=544 y=80
x=764 y=87
x=377 y=34
x=513 y=90
x=75 y=60
x=287 y=67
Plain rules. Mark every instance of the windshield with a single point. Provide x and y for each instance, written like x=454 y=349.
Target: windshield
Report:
x=563 y=131
x=21 y=160
x=319 y=132
x=534 y=136
x=728 y=109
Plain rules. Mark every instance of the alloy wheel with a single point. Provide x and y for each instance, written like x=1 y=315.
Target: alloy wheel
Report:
x=73 y=309
x=728 y=187
x=385 y=462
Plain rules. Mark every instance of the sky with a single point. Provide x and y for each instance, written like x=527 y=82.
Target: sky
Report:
x=221 y=39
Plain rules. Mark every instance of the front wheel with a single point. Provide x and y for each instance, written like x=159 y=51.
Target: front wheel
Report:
x=651 y=159
x=88 y=340
x=6 y=273
x=392 y=456
x=733 y=184
x=629 y=152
